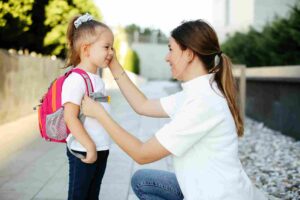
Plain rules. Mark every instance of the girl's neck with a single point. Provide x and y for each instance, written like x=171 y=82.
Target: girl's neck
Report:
x=87 y=67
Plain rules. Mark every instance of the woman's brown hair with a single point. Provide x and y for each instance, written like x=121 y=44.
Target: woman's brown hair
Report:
x=203 y=41
x=87 y=32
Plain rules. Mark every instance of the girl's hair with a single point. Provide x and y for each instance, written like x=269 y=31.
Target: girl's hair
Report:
x=203 y=41
x=88 y=32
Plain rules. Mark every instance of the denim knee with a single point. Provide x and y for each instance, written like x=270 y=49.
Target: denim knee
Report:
x=136 y=179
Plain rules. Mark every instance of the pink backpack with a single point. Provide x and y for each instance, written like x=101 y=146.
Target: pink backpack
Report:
x=51 y=113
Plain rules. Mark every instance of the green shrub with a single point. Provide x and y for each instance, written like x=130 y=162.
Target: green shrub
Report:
x=132 y=62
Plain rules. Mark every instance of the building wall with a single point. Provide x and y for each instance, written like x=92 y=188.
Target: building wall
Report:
x=152 y=60
x=237 y=15
x=266 y=10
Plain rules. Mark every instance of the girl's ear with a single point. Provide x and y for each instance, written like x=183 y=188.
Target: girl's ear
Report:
x=85 y=50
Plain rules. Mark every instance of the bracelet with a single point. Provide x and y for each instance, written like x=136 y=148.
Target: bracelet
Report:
x=122 y=74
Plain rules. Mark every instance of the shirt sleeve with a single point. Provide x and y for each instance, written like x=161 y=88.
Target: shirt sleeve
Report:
x=187 y=127
x=73 y=89
x=170 y=103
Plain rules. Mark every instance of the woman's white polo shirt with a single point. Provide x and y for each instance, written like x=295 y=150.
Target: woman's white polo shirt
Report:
x=203 y=140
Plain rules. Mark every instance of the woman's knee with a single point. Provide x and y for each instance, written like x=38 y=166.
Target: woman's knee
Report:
x=137 y=178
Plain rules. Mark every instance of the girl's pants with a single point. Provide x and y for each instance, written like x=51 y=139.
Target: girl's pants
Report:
x=85 y=179
x=156 y=185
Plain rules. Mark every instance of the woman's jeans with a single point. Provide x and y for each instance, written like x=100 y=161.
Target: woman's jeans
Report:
x=151 y=184
x=85 y=179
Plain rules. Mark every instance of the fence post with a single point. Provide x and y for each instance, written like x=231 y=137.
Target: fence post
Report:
x=242 y=91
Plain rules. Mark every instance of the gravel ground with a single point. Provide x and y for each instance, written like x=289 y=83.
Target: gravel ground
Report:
x=271 y=160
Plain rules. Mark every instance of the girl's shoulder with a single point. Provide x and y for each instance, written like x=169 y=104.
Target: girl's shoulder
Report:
x=74 y=78
x=74 y=81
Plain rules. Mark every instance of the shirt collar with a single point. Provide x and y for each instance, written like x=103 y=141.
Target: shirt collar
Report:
x=200 y=83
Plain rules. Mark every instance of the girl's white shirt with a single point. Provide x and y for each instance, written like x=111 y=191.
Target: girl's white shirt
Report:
x=73 y=91
x=203 y=140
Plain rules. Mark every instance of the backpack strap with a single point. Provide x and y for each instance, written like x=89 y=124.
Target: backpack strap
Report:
x=86 y=78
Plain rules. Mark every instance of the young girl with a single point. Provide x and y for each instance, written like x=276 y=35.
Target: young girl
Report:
x=90 y=47
x=203 y=132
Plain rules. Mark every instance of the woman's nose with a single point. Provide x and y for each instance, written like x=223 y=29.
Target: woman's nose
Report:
x=167 y=58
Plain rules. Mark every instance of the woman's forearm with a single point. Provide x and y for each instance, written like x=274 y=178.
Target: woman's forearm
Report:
x=133 y=95
x=130 y=144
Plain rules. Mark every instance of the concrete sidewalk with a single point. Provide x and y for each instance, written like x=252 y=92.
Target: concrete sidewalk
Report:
x=31 y=168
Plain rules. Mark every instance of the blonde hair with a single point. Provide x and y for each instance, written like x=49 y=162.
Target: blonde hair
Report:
x=87 y=32
x=203 y=41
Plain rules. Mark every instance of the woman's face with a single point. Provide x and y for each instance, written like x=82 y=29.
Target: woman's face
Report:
x=176 y=59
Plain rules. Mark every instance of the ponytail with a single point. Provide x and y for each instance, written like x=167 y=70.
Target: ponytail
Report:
x=73 y=58
x=226 y=83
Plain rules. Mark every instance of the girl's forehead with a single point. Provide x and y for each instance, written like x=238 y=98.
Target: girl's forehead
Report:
x=106 y=35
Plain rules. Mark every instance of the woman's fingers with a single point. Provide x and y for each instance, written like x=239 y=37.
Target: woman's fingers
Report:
x=89 y=106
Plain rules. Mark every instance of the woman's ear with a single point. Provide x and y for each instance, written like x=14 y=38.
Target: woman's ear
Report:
x=189 y=54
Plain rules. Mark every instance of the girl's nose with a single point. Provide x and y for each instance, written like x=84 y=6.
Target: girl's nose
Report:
x=111 y=51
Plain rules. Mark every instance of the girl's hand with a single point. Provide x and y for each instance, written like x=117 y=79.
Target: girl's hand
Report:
x=89 y=107
x=91 y=156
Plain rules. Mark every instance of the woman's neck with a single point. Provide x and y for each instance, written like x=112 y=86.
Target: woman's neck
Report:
x=195 y=69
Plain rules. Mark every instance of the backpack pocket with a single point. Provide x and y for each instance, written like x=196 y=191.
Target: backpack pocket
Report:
x=56 y=126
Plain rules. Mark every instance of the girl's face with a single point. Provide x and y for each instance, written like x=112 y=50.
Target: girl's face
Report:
x=176 y=59
x=101 y=51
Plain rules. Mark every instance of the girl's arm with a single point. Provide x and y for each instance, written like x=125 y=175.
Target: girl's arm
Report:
x=71 y=111
x=137 y=100
x=142 y=153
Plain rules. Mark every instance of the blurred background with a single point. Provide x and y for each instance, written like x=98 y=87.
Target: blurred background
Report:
x=262 y=37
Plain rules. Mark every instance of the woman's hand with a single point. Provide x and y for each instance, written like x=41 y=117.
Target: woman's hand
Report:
x=91 y=108
x=114 y=61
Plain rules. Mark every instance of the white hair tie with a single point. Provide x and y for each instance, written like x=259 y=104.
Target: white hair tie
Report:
x=83 y=18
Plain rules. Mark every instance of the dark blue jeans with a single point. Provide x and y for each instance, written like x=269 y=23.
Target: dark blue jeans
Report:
x=150 y=184
x=85 y=179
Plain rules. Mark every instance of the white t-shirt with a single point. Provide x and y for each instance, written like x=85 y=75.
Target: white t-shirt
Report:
x=73 y=91
x=203 y=140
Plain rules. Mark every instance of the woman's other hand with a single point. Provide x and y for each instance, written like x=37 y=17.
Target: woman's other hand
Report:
x=89 y=107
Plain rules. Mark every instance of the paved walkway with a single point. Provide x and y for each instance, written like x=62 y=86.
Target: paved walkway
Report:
x=31 y=168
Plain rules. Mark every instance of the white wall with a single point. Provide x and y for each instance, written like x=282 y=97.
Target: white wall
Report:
x=152 y=60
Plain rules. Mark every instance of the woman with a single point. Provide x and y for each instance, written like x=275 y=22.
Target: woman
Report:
x=204 y=129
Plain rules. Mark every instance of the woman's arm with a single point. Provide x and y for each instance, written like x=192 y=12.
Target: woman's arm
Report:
x=142 y=153
x=71 y=111
x=137 y=100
